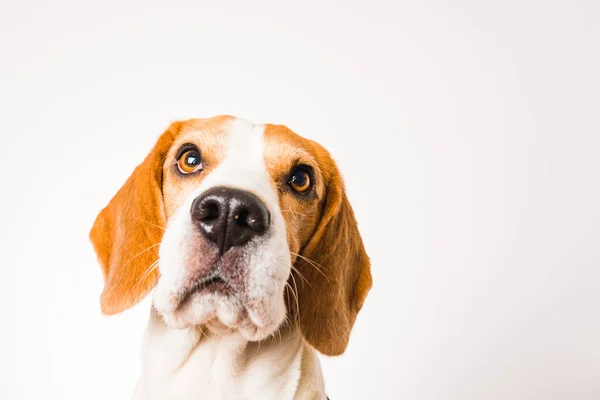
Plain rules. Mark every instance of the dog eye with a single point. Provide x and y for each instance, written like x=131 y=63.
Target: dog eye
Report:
x=189 y=162
x=300 y=181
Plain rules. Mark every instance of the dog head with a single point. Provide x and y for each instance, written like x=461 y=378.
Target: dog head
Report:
x=236 y=226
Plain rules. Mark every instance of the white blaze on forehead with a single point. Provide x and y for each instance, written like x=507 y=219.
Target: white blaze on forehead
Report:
x=243 y=166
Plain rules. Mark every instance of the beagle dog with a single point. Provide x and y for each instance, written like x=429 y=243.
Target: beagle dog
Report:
x=246 y=239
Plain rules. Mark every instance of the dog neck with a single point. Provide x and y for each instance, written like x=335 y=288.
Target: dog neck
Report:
x=196 y=363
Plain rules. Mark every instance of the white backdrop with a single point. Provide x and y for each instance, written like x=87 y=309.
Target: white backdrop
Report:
x=468 y=133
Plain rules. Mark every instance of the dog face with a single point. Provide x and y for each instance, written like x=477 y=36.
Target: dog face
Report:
x=236 y=226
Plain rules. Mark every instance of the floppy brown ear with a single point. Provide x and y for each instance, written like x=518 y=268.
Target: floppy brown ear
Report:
x=127 y=232
x=336 y=265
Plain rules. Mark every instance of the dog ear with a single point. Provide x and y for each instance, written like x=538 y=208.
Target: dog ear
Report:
x=127 y=232
x=335 y=263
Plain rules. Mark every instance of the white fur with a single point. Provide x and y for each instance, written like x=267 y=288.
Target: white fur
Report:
x=222 y=348
x=189 y=364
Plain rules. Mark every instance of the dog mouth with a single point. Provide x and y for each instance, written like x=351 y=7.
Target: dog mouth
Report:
x=213 y=284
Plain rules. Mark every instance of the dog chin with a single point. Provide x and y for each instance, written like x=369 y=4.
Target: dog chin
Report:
x=221 y=313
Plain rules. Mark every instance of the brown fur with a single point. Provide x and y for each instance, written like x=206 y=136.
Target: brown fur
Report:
x=128 y=230
x=334 y=270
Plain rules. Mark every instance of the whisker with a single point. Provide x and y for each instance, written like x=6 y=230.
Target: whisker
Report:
x=294 y=212
x=306 y=259
x=137 y=255
x=214 y=331
x=295 y=298
x=152 y=267
x=149 y=270
x=312 y=263
x=150 y=223
x=202 y=332
x=288 y=289
x=301 y=276
x=140 y=253
x=287 y=297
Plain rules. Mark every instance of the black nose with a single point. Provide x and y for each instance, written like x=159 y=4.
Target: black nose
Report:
x=229 y=217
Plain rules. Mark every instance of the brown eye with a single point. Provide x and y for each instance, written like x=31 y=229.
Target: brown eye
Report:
x=189 y=162
x=300 y=181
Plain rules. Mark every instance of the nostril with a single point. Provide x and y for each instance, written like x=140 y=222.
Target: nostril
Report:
x=210 y=211
x=243 y=219
x=206 y=210
x=254 y=220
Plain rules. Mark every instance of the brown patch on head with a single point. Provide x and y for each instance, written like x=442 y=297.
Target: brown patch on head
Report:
x=210 y=137
x=127 y=232
x=283 y=151
x=333 y=268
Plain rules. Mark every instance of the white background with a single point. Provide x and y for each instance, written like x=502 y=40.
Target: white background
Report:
x=468 y=133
